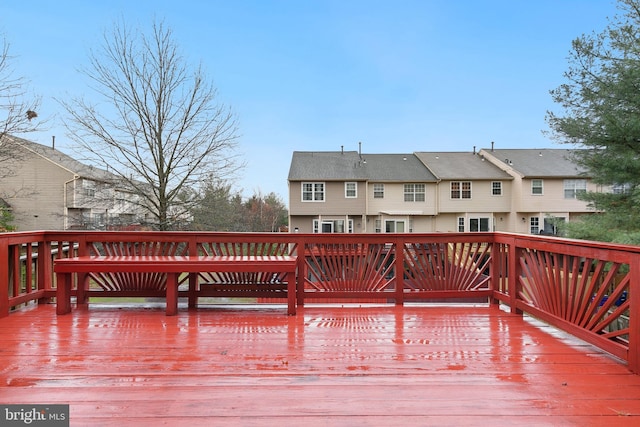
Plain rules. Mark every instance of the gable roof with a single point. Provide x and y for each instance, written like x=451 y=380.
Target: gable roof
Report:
x=461 y=165
x=61 y=160
x=540 y=163
x=397 y=167
x=350 y=165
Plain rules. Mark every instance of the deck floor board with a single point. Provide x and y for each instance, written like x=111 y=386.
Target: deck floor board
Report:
x=333 y=366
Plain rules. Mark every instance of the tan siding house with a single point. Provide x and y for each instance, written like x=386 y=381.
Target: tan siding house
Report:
x=548 y=182
x=349 y=191
x=472 y=193
x=47 y=189
x=525 y=191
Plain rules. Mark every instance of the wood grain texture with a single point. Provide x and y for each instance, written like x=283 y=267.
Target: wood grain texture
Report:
x=327 y=366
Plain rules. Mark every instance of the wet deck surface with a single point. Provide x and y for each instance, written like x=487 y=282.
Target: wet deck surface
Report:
x=327 y=366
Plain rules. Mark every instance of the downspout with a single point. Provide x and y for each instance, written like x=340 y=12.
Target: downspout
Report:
x=366 y=206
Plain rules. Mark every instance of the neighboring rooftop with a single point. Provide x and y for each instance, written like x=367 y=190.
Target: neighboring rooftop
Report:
x=539 y=163
x=351 y=165
x=61 y=159
x=461 y=165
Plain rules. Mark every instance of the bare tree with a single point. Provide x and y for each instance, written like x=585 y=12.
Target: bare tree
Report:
x=18 y=108
x=160 y=127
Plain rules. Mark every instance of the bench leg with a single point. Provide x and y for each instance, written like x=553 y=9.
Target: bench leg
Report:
x=63 y=293
x=291 y=293
x=81 y=293
x=172 y=294
x=193 y=290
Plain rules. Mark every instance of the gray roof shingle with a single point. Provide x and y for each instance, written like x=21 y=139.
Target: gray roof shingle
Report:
x=62 y=160
x=350 y=165
x=540 y=163
x=461 y=165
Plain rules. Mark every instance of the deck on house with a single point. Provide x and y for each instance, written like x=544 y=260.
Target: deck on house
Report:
x=345 y=365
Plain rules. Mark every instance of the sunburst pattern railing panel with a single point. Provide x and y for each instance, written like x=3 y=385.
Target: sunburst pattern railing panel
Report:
x=133 y=281
x=247 y=248
x=447 y=266
x=349 y=267
x=587 y=292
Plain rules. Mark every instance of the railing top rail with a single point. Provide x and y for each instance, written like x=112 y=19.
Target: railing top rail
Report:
x=568 y=246
x=564 y=245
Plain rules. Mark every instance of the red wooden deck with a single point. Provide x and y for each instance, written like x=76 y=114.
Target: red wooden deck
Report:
x=326 y=366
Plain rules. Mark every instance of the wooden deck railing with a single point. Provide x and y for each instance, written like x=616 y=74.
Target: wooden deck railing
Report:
x=582 y=287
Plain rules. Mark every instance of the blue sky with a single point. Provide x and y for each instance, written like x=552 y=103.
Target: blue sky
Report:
x=314 y=75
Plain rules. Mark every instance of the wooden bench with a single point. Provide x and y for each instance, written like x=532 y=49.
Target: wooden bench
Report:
x=173 y=267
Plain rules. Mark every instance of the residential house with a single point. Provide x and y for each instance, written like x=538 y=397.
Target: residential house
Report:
x=472 y=193
x=525 y=191
x=347 y=192
x=47 y=189
x=547 y=183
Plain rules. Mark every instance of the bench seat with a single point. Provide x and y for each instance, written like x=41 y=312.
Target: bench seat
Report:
x=173 y=266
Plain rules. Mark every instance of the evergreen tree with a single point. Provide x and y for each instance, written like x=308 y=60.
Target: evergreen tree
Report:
x=600 y=103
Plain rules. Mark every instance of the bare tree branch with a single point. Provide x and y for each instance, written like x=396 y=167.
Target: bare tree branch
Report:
x=18 y=108
x=159 y=125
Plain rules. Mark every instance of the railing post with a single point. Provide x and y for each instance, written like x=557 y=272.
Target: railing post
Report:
x=4 y=277
x=494 y=280
x=634 y=315
x=514 y=276
x=45 y=267
x=399 y=270
x=82 y=282
x=302 y=270
x=194 y=286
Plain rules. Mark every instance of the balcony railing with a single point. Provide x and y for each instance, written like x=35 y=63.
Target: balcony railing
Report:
x=584 y=288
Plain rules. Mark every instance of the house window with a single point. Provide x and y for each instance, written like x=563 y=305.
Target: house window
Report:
x=496 y=188
x=332 y=226
x=350 y=190
x=534 y=225
x=89 y=188
x=313 y=191
x=414 y=192
x=536 y=186
x=393 y=226
x=378 y=191
x=552 y=225
x=621 y=189
x=461 y=224
x=378 y=226
x=461 y=189
x=479 y=224
x=573 y=187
